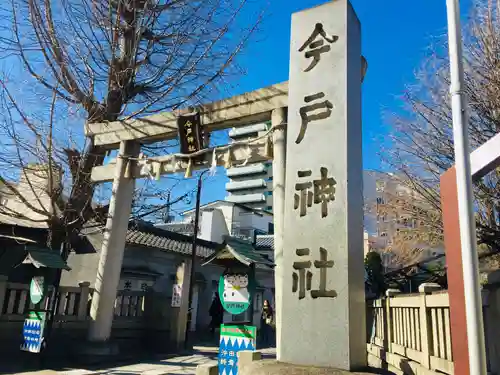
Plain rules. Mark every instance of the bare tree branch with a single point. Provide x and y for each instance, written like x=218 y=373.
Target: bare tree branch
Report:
x=421 y=146
x=104 y=60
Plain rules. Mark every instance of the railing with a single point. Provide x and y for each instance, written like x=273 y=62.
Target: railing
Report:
x=410 y=333
x=73 y=304
x=129 y=304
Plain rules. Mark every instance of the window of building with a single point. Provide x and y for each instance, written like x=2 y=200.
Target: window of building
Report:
x=380 y=200
x=383 y=234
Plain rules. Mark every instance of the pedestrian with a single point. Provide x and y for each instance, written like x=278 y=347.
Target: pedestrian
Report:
x=217 y=314
x=266 y=322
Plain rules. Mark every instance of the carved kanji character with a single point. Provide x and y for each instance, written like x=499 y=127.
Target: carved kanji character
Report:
x=323 y=264
x=306 y=116
x=305 y=198
x=324 y=190
x=316 y=46
x=301 y=281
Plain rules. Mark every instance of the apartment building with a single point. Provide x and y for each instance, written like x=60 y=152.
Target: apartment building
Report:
x=250 y=185
x=392 y=221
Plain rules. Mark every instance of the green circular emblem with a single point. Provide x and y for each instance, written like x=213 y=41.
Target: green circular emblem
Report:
x=37 y=289
x=235 y=291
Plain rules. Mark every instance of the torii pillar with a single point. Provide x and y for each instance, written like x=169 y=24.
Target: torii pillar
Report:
x=483 y=160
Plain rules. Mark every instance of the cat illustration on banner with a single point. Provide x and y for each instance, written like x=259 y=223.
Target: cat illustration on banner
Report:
x=236 y=288
x=235 y=291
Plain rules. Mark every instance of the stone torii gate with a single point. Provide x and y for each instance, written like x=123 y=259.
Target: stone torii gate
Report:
x=266 y=104
x=318 y=213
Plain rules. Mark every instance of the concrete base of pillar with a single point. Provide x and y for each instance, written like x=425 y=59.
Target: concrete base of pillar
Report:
x=207 y=369
x=97 y=351
x=267 y=367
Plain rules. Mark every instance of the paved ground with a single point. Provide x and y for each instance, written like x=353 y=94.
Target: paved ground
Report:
x=185 y=364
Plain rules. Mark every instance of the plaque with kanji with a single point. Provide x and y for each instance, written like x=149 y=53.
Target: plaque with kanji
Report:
x=176 y=295
x=190 y=133
x=33 y=332
x=234 y=338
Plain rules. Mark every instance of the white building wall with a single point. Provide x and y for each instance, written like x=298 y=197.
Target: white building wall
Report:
x=248 y=219
x=219 y=227
x=33 y=186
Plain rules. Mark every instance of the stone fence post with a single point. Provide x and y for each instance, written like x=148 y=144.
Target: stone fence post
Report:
x=3 y=291
x=84 y=300
x=425 y=324
x=389 y=319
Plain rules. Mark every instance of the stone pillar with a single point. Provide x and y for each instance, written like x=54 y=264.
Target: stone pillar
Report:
x=110 y=262
x=279 y=116
x=246 y=357
x=322 y=289
x=183 y=278
x=3 y=290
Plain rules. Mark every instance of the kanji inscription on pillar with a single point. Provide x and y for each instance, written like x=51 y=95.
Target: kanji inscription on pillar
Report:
x=318 y=191
x=317 y=110
x=302 y=277
x=315 y=45
x=322 y=260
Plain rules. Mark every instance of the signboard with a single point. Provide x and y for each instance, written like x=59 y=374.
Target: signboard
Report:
x=37 y=289
x=190 y=133
x=234 y=338
x=236 y=290
x=176 y=295
x=33 y=332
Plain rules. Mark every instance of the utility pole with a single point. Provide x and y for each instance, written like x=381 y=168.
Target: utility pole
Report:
x=193 y=253
x=472 y=291
x=166 y=218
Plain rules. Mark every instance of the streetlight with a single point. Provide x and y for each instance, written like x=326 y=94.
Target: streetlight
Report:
x=473 y=306
x=193 y=253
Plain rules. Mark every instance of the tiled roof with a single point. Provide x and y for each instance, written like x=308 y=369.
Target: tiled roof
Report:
x=265 y=242
x=185 y=228
x=242 y=251
x=146 y=234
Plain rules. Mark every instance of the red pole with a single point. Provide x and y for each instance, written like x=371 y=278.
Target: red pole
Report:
x=449 y=206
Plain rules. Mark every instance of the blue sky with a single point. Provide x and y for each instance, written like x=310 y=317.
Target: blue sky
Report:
x=396 y=37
